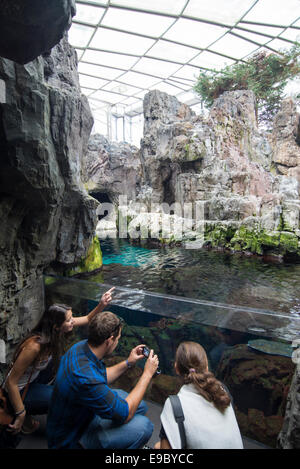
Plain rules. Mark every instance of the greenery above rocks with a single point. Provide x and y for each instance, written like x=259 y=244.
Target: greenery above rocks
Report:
x=265 y=73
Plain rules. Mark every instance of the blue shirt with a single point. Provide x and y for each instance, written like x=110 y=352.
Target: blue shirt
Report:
x=80 y=392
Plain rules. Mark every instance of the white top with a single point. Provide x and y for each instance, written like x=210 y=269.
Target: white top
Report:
x=205 y=426
x=37 y=369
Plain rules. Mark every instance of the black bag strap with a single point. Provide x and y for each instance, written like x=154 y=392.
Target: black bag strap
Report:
x=179 y=418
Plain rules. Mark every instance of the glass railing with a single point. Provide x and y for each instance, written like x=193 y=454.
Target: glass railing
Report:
x=249 y=349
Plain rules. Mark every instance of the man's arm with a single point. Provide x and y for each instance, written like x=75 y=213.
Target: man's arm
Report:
x=136 y=395
x=105 y=300
x=113 y=372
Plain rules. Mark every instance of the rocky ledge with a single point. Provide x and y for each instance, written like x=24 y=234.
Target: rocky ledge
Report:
x=244 y=180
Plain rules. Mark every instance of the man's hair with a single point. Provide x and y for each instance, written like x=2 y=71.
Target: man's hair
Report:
x=102 y=326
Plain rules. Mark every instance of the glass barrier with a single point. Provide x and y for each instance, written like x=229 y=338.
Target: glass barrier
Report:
x=250 y=350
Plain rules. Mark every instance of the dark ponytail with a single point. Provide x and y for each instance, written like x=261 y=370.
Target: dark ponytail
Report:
x=192 y=365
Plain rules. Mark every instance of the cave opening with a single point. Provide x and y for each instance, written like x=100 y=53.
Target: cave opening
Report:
x=103 y=198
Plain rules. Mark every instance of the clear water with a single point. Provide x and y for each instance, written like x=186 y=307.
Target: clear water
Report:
x=206 y=275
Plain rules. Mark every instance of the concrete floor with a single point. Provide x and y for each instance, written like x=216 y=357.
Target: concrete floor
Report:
x=38 y=439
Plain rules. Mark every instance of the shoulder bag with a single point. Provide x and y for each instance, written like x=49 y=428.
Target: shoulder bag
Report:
x=179 y=418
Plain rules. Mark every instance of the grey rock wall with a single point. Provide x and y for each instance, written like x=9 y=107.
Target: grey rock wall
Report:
x=289 y=437
x=47 y=217
x=30 y=28
x=111 y=168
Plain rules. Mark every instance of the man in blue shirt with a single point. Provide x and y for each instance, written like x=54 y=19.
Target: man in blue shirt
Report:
x=84 y=410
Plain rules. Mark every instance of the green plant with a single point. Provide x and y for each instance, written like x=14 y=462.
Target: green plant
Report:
x=266 y=74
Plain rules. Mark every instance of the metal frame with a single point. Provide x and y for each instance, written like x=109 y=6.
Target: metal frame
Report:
x=182 y=84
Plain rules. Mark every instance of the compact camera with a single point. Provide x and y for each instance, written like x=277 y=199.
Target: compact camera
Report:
x=146 y=353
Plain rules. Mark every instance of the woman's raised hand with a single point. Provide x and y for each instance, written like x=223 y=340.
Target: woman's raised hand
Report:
x=107 y=297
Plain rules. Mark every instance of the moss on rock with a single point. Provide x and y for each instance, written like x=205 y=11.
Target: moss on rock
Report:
x=90 y=263
x=256 y=241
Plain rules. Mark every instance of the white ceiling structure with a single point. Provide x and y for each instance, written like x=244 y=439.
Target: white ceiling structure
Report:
x=127 y=47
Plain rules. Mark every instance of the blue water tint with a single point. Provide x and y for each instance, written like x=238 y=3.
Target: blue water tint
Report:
x=206 y=275
x=126 y=254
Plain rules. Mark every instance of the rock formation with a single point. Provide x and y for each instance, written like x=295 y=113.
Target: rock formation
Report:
x=245 y=180
x=289 y=437
x=111 y=168
x=28 y=29
x=46 y=214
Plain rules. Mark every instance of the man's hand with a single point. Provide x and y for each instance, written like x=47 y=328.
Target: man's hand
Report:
x=106 y=297
x=136 y=354
x=151 y=364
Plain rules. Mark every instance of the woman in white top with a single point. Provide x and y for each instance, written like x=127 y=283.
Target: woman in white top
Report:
x=210 y=422
x=44 y=344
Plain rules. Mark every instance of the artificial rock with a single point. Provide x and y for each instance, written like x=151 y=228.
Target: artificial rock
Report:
x=222 y=163
x=28 y=29
x=47 y=216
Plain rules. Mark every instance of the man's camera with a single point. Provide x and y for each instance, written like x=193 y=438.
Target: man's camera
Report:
x=146 y=353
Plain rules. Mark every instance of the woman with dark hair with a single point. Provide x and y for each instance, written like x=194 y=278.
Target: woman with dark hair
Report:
x=36 y=360
x=210 y=422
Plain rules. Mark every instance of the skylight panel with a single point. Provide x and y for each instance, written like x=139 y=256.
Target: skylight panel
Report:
x=166 y=6
x=228 y=12
x=111 y=98
x=194 y=33
x=135 y=108
x=86 y=91
x=156 y=67
x=139 y=80
x=276 y=12
x=80 y=35
x=188 y=98
x=106 y=73
x=121 y=88
x=272 y=31
x=235 y=47
x=130 y=101
x=292 y=35
x=110 y=60
x=88 y=14
x=142 y=23
x=211 y=61
x=121 y=42
x=141 y=94
x=179 y=83
x=252 y=36
x=166 y=88
x=90 y=82
x=188 y=72
x=79 y=53
x=166 y=50
x=279 y=45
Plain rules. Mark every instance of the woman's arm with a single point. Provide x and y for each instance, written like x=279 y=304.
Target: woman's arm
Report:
x=25 y=359
x=105 y=300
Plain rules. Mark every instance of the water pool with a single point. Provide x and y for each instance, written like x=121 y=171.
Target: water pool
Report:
x=206 y=275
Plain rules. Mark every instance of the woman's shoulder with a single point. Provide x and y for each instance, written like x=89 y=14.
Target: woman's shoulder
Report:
x=31 y=345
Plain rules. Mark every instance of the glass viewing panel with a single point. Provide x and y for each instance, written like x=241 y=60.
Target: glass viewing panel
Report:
x=248 y=349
